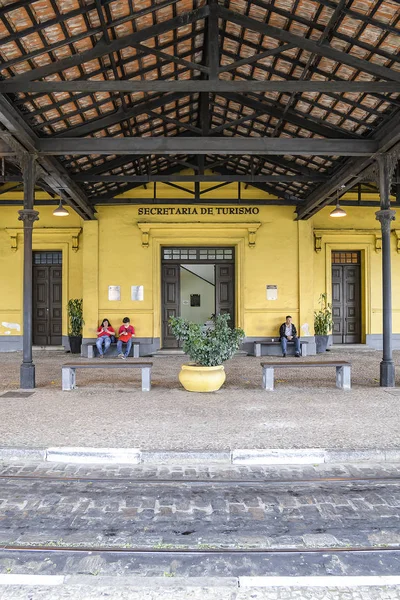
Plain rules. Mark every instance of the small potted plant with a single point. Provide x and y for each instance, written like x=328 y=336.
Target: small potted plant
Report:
x=208 y=347
x=322 y=324
x=75 y=324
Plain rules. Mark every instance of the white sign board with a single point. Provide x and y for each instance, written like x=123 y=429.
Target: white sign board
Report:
x=272 y=292
x=137 y=293
x=114 y=292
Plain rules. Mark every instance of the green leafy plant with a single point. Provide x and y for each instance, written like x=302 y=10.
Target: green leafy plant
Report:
x=207 y=346
x=75 y=317
x=323 y=317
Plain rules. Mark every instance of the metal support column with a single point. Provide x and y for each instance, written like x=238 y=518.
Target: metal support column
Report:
x=28 y=216
x=385 y=216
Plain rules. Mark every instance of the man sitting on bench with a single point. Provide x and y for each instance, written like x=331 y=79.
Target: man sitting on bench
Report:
x=125 y=333
x=287 y=334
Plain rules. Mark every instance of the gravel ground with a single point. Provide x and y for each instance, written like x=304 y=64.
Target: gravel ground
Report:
x=109 y=409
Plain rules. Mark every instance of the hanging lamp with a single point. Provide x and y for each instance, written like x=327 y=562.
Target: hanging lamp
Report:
x=60 y=211
x=338 y=211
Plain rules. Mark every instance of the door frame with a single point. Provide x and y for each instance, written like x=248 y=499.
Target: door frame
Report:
x=181 y=262
x=357 y=303
x=62 y=247
x=63 y=305
x=207 y=237
x=365 y=279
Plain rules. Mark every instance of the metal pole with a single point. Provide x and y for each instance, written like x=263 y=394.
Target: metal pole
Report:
x=28 y=216
x=385 y=216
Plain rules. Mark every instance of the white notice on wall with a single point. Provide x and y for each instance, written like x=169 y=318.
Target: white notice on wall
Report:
x=272 y=292
x=114 y=292
x=137 y=293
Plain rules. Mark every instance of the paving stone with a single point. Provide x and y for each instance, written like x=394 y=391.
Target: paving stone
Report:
x=258 y=514
x=319 y=540
x=286 y=515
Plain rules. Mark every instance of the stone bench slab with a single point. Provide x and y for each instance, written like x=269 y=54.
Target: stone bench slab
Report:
x=92 y=348
x=343 y=371
x=69 y=375
x=260 y=344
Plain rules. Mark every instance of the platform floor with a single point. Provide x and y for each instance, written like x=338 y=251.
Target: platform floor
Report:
x=108 y=409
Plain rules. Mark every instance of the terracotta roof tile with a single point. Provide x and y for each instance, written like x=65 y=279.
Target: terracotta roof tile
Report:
x=35 y=34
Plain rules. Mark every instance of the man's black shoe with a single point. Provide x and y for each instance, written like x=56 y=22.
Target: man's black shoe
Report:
x=297 y=355
x=284 y=355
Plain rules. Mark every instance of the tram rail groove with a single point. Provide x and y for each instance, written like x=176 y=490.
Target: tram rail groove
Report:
x=210 y=481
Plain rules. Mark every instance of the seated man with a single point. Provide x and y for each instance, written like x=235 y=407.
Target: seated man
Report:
x=287 y=333
x=125 y=333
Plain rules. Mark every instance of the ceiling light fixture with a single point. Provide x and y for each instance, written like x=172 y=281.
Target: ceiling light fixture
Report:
x=60 y=211
x=338 y=211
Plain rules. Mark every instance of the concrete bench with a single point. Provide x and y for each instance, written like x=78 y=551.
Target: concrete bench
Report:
x=69 y=376
x=277 y=342
x=92 y=350
x=343 y=371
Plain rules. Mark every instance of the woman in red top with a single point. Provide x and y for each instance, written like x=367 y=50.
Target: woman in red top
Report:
x=104 y=335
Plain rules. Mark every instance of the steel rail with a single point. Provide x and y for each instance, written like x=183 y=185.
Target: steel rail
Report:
x=219 y=482
x=200 y=551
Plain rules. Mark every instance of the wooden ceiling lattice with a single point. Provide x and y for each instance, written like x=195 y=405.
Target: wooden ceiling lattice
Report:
x=200 y=42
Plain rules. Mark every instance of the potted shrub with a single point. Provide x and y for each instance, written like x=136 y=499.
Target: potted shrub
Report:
x=322 y=324
x=208 y=347
x=75 y=324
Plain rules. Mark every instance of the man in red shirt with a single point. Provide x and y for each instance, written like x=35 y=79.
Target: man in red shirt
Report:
x=125 y=333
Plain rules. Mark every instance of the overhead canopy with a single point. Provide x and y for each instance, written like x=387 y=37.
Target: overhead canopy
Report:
x=158 y=75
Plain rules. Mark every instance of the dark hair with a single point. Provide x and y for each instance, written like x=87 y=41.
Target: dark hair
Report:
x=288 y=317
x=126 y=320
x=102 y=323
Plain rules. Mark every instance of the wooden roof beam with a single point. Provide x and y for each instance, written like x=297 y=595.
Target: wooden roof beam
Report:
x=206 y=145
x=228 y=178
x=197 y=85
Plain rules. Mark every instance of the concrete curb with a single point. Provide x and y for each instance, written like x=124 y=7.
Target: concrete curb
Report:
x=323 y=581
x=139 y=582
x=29 y=580
x=24 y=453
x=130 y=456
x=185 y=456
x=276 y=456
x=241 y=456
x=135 y=583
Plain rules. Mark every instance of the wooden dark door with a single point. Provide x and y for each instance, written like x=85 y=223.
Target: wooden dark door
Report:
x=47 y=305
x=346 y=304
x=170 y=302
x=225 y=290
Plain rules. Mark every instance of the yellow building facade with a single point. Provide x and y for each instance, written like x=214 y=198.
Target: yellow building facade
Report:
x=279 y=265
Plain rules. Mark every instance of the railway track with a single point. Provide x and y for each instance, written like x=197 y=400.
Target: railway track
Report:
x=210 y=481
x=202 y=551
x=225 y=542
x=226 y=562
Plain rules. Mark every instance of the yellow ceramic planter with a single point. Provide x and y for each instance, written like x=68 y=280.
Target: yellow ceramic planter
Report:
x=196 y=378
